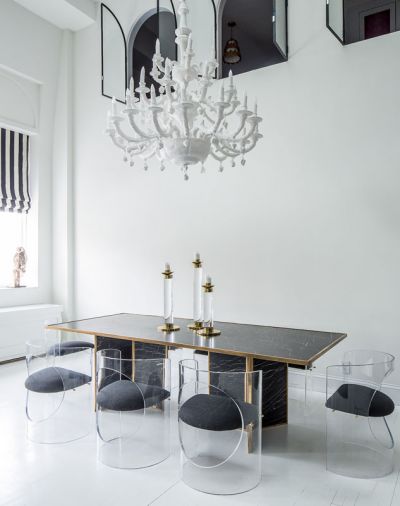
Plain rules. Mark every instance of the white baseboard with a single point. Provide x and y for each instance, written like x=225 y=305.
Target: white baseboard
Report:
x=297 y=380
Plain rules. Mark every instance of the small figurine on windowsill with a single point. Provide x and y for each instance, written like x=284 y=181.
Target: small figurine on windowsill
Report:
x=20 y=259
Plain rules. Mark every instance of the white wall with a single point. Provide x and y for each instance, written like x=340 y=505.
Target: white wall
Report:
x=306 y=235
x=29 y=45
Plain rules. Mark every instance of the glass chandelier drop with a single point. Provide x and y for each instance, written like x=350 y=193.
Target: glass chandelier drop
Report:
x=184 y=125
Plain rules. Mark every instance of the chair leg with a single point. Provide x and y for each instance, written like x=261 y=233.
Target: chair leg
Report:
x=390 y=433
x=391 y=445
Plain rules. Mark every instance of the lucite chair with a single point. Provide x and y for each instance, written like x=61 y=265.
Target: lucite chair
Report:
x=359 y=441
x=219 y=421
x=133 y=410
x=59 y=394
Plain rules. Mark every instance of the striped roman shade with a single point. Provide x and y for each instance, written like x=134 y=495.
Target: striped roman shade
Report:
x=14 y=172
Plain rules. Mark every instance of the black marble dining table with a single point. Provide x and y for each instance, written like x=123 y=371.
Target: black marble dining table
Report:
x=240 y=347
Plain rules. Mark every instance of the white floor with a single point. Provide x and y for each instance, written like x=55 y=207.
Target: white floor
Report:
x=293 y=467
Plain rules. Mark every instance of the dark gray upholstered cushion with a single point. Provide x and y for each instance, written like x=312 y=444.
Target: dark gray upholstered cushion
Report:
x=55 y=379
x=217 y=412
x=125 y=395
x=360 y=400
x=68 y=347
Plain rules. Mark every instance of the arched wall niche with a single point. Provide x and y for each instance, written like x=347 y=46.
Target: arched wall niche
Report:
x=142 y=38
x=118 y=38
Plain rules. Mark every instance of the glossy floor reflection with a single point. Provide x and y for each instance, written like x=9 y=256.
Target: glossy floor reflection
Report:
x=293 y=467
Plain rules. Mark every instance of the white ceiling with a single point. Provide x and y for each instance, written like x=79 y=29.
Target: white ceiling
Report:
x=66 y=14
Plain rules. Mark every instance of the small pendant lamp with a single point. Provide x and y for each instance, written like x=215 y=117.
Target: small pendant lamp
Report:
x=232 y=51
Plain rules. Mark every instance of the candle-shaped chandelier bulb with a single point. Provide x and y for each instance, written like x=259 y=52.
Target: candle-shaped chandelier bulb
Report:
x=169 y=325
x=197 y=295
x=208 y=329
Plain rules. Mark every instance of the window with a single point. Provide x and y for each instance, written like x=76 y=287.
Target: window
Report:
x=15 y=204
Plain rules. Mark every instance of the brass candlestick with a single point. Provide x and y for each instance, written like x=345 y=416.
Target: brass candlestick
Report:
x=168 y=302
x=197 y=302
x=208 y=329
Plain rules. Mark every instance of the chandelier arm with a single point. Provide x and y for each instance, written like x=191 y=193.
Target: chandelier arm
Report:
x=205 y=84
x=231 y=109
x=228 y=151
x=234 y=137
x=242 y=127
x=137 y=129
x=211 y=120
x=251 y=145
x=118 y=141
x=251 y=132
x=244 y=150
x=152 y=150
x=158 y=127
x=217 y=157
x=186 y=123
x=155 y=74
x=124 y=136
x=218 y=121
x=136 y=150
x=157 y=63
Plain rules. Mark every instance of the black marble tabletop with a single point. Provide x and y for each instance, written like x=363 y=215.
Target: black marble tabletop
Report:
x=292 y=346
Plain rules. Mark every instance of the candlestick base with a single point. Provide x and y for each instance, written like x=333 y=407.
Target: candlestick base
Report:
x=209 y=332
x=168 y=327
x=195 y=326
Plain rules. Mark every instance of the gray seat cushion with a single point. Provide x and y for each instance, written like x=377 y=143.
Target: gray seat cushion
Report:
x=125 y=395
x=217 y=412
x=68 y=347
x=55 y=379
x=360 y=400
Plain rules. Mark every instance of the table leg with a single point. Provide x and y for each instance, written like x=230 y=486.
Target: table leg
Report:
x=274 y=388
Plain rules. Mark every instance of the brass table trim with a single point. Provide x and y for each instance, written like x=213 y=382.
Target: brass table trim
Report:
x=306 y=362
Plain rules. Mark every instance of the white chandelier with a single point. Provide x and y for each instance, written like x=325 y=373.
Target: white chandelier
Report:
x=184 y=125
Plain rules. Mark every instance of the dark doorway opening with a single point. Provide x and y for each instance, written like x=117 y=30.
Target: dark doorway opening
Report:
x=377 y=24
x=253 y=32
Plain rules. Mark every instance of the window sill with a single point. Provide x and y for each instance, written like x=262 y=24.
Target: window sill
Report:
x=21 y=288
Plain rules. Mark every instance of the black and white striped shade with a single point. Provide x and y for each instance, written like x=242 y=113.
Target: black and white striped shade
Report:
x=14 y=172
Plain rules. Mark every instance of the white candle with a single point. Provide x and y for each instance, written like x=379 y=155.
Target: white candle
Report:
x=245 y=101
x=197 y=296
x=222 y=94
x=208 y=306
x=113 y=107
x=231 y=78
x=167 y=67
x=132 y=86
x=153 y=94
x=189 y=44
x=142 y=77
x=158 y=47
